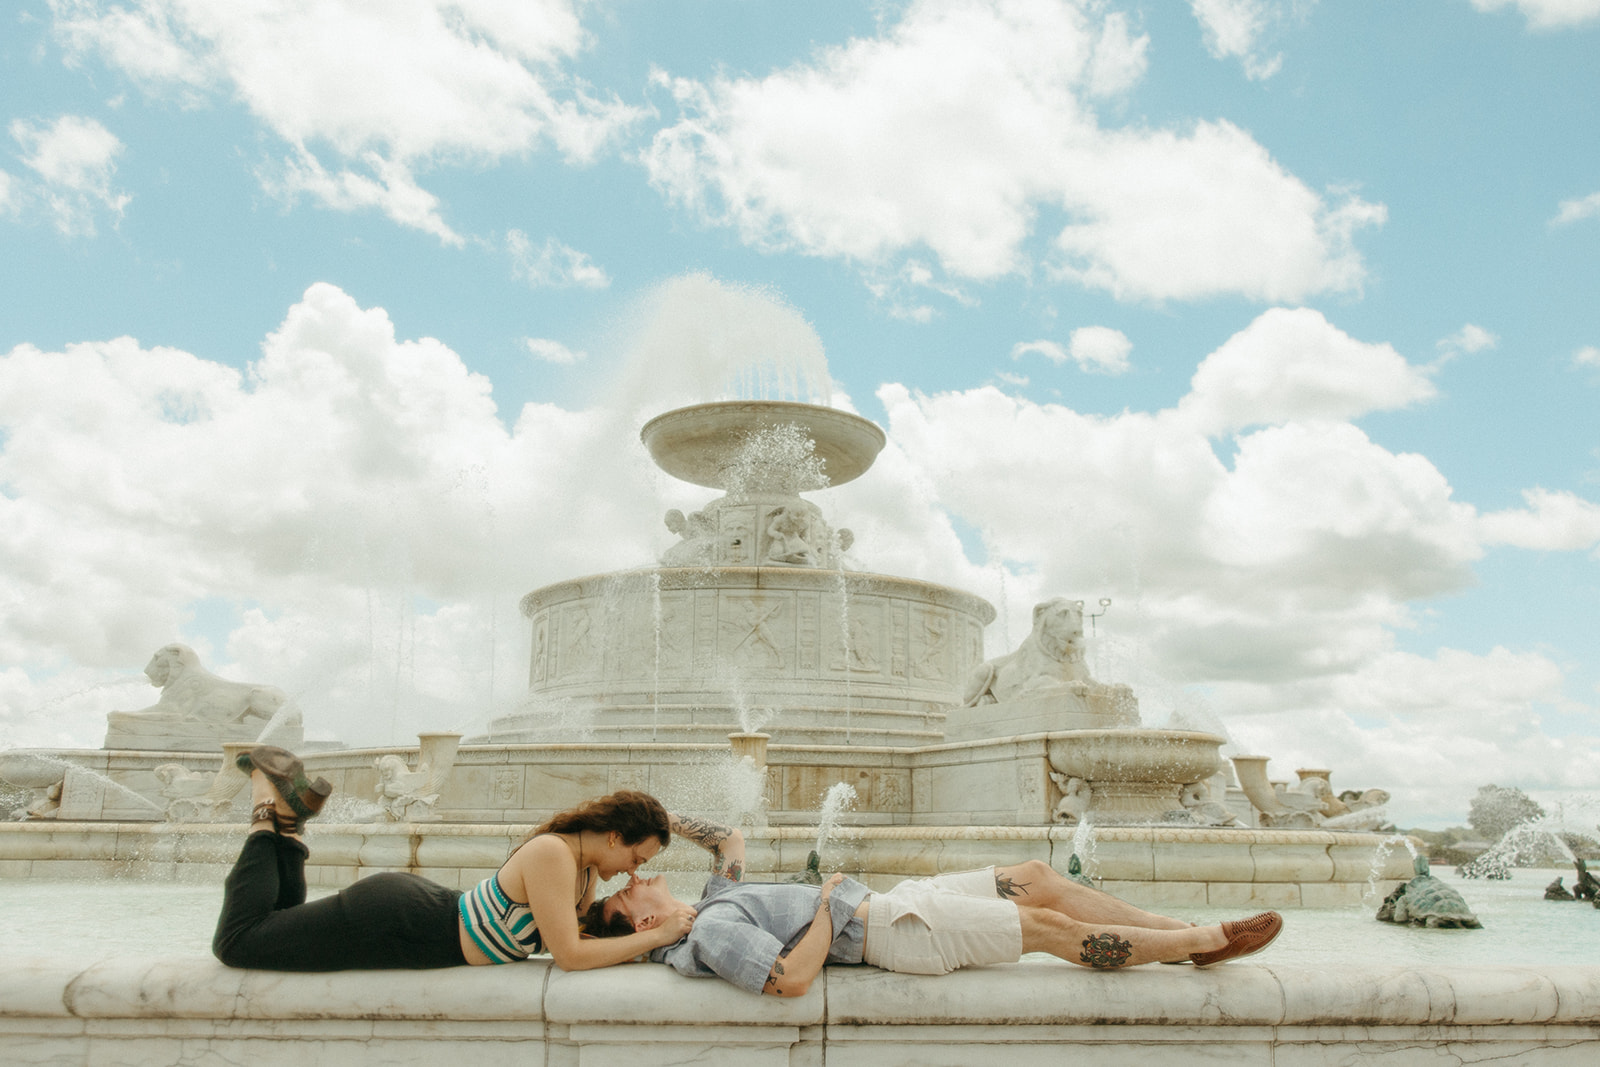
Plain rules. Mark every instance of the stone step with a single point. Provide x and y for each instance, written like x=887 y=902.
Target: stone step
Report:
x=781 y=733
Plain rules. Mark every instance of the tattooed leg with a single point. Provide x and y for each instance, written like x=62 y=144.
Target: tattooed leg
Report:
x=1035 y=884
x=1109 y=946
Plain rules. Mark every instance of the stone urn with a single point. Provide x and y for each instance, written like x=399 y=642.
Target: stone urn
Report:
x=1133 y=776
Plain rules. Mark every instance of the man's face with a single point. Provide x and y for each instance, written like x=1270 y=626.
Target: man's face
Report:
x=643 y=902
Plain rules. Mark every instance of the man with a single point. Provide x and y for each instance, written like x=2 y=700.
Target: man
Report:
x=775 y=938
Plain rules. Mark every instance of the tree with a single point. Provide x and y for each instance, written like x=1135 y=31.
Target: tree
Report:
x=1495 y=810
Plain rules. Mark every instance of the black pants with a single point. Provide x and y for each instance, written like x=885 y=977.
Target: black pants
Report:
x=384 y=921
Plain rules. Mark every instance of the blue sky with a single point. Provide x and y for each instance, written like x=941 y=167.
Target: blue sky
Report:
x=1277 y=323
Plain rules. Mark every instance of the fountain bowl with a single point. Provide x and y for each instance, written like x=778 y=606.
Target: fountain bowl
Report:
x=699 y=443
x=1134 y=775
x=30 y=770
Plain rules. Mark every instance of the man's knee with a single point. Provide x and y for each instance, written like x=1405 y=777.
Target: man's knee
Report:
x=1021 y=878
x=1037 y=870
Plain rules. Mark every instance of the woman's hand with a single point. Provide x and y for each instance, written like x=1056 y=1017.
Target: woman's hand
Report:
x=674 y=925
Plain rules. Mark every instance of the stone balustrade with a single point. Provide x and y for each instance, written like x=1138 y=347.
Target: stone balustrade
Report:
x=1164 y=868
x=189 y=1010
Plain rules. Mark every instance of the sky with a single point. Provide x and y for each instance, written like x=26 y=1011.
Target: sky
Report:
x=327 y=327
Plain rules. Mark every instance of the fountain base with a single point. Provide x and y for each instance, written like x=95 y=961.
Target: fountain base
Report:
x=1162 y=868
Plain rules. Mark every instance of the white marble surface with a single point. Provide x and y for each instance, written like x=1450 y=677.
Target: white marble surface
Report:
x=140 y=1011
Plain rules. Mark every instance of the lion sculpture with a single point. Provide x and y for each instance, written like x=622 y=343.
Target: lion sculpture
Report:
x=198 y=711
x=1050 y=656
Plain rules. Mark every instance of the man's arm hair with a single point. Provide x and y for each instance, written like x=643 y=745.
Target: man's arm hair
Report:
x=725 y=843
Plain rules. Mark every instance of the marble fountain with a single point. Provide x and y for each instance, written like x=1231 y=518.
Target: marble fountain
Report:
x=747 y=676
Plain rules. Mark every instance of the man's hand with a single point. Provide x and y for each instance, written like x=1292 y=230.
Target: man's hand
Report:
x=793 y=972
x=831 y=884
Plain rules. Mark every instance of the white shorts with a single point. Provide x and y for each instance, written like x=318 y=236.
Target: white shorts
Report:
x=934 y=925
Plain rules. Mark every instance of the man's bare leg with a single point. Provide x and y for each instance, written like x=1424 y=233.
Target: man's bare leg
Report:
x=1105 y=946
x=1034 y=884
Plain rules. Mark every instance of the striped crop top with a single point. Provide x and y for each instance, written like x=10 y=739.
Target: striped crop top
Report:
x=503 y=928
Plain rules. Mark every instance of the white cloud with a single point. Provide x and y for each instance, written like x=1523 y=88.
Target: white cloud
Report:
x=1293 y=364
x=548 y=351
x=74 y=159
x=1585 y=207
x=1547 y=14
x=390 y=188
x=366 y=95
x=1269 y=586
x=1101 y=349
x=1096 y=349
x=1587 y=356
x=360 y=489
x=958 y=127
x=1235 y=28
x=1552 y=521
x=1469 y=338
x=1411 y=723
x=1050 y=350
x=553 y=264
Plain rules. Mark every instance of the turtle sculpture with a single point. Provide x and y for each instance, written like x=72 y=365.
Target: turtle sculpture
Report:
x=1426 y=901
x=812 y=875
x=1075 y=872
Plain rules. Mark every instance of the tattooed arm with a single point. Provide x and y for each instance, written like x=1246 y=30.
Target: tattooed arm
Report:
x=725 y=843
x=793 y=973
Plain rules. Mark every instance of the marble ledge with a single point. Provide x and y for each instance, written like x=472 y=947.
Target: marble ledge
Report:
x=141 y=1012
x=1030 y=993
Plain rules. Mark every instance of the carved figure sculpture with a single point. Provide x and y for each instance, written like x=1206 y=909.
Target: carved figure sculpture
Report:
x=1584 y=886
x=1556 y=891
x=696 y=547
x=407 y=795
x=1051 y=655
x=187 y=794
x=1201 y=809
x=1075 y=797
x=789 y=530
x=198 y=710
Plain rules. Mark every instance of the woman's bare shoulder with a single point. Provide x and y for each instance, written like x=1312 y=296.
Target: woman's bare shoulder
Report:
x=545 y=851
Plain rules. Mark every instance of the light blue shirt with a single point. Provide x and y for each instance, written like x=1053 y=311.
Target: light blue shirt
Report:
x=741 y=928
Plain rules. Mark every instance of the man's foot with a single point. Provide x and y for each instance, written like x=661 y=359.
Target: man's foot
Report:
x=287 y=775
x=1245 y=937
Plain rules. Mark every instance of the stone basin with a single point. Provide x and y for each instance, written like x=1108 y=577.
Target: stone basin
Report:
x=698 y=443
x=31 y=770
x=1134 y=775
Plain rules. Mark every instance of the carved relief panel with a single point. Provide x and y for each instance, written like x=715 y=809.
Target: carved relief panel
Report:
x=860 y=638
x=756 y=631
x=931 y=646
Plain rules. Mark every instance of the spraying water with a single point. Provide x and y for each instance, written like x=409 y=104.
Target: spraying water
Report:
x=1083 y=843
x=1371 y=896
x=705 y=339
x=841 y=797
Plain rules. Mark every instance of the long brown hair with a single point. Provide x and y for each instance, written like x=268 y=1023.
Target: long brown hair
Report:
x=627 y=812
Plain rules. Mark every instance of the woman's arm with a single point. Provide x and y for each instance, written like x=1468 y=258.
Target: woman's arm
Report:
x=725 y=843
x=793 y=973
x=545 y=870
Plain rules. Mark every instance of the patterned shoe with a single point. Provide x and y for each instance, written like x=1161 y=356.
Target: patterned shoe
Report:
x=1245 y=937
x=288 y=776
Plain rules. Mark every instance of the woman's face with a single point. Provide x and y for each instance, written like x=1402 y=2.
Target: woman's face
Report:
x=619 y=857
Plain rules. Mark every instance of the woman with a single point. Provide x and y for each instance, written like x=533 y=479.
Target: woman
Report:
x=399 y=920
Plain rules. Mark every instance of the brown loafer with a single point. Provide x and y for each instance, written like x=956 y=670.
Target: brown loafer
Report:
x=1245 y=937
x=288 y=776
